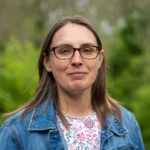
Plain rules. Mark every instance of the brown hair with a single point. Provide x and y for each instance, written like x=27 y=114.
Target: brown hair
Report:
x=102 y=103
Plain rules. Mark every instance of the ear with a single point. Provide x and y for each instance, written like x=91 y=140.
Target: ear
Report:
x=101 y=58
x=47 y=64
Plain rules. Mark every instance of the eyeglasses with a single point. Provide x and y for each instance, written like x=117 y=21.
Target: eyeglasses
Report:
x=65 y=52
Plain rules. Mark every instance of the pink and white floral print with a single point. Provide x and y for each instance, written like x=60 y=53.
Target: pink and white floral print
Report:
x=83 y=134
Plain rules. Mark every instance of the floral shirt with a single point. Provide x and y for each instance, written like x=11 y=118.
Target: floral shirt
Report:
x=83 y=134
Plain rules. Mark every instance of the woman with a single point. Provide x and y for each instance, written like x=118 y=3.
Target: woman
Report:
x=71 y=108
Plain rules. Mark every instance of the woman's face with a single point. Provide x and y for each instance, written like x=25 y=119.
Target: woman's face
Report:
x=77 y=74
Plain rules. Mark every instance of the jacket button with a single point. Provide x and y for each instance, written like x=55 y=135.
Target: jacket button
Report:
x=54 y=136
x=103 y=131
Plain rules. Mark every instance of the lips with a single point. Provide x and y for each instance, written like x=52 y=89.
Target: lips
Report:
x=77 y=74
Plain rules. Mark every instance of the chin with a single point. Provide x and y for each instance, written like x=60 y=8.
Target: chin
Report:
x=80 y=87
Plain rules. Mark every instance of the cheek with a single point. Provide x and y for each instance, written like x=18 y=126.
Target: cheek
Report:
x=94 y=69
x=95 y=72
x=58 y=69
x=96 y=65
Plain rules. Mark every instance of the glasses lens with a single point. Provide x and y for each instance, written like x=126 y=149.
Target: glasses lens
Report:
x=64 y=52
x=89 y=52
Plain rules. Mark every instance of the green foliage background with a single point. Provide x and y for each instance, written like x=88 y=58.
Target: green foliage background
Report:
x=124 y=29
x=17 y=74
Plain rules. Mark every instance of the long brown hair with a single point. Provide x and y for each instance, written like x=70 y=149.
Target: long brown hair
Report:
x=102 y=103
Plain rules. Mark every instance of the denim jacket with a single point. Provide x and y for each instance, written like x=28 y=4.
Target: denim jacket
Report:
x=39 y=130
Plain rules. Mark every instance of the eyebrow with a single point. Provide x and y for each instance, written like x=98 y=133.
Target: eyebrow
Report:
x=82 y=45
x=87 y=44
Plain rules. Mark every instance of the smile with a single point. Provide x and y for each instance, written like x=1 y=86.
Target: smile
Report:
x=77 y=74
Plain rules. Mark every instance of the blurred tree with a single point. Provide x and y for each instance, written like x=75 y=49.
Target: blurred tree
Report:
x=127 y=59
x=16 y=74
x=30 y=19
x=129 y=76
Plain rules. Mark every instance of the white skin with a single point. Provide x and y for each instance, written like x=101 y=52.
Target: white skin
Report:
x=74 y=77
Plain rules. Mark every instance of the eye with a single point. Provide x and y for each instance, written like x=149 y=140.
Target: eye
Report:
x=63 y=50
x=87 y=49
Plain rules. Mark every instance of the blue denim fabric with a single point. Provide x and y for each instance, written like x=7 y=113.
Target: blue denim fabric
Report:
x=39 y=130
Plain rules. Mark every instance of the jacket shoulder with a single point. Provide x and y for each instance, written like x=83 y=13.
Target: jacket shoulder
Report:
x=127 y=115
x=130 y=123
x=16 y=119
x=128 y=119
x=12 y=131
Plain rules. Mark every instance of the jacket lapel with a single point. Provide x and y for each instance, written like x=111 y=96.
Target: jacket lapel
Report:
x=43 y=117
x=112 y=126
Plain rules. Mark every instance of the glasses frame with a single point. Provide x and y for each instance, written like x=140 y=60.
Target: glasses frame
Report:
x=77 y=49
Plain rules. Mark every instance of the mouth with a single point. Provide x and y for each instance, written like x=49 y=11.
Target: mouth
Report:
x=77 y=74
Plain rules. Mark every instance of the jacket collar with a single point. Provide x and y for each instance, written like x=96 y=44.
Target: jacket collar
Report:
x=113 y=124
x=44 y=118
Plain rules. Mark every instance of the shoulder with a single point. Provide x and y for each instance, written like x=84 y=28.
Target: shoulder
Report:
x=16 y=119
x=130 y=123
x=127 y=117
x=15 y=126
x=126 y=113
x=12 y=129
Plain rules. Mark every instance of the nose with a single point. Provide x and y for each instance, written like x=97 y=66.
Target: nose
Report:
x=77 y=59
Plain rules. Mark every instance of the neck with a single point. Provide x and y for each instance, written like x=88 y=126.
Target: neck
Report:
x=76 y=105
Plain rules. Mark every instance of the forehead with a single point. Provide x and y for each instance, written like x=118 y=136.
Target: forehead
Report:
x=73 y=34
